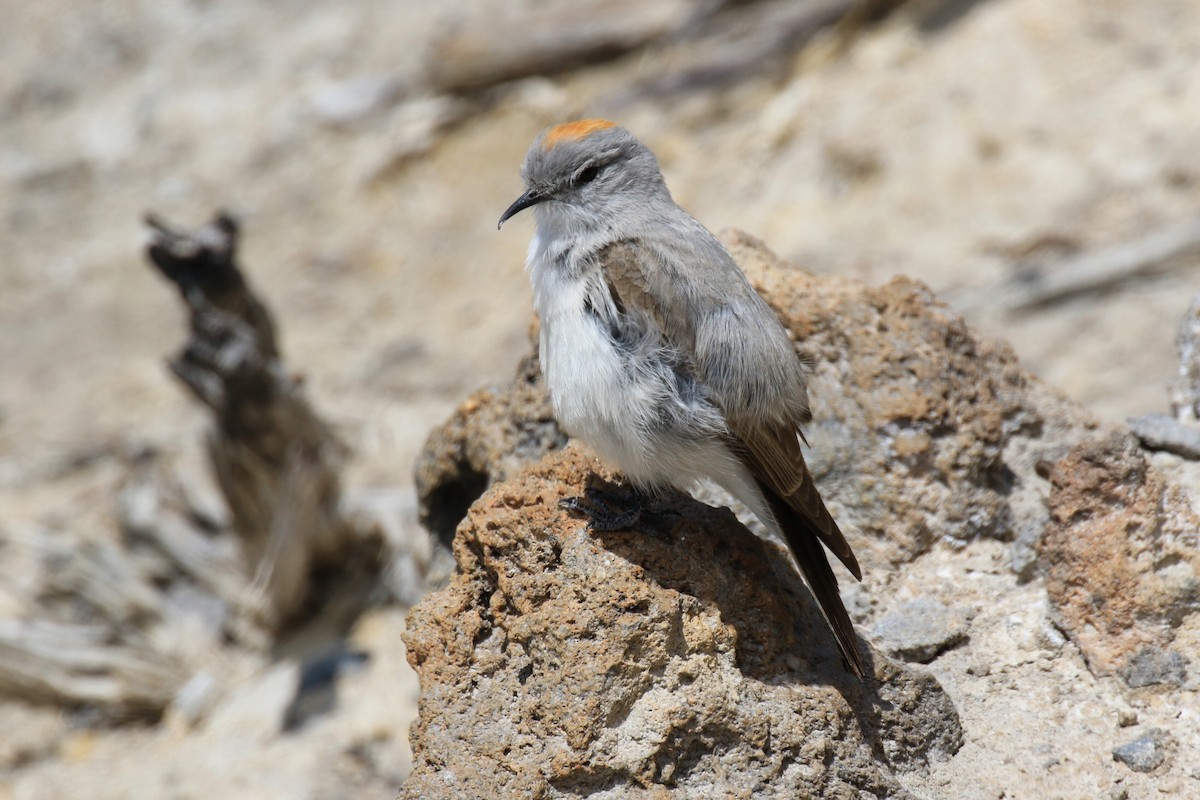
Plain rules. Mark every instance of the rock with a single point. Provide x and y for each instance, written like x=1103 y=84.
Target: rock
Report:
x=1145 y=753
x=1023 y=553
x=694 y=663
x=1163 y=432
x=1153 y=666
x=491 y=436
x=920 y=630
x=1120 y=552
x=912 y=412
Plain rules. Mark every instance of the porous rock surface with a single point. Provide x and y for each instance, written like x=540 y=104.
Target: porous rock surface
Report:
x=1122 y=556
x=912 y=412
x=489 y=437
x=687 y=662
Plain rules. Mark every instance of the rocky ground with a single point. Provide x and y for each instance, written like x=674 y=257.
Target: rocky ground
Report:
x=984 y=148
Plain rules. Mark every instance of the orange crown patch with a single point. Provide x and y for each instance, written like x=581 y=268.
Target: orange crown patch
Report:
x=574 y=131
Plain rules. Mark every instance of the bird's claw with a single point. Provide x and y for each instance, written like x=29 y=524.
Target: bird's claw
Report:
x=597 y=508
x=599 y=515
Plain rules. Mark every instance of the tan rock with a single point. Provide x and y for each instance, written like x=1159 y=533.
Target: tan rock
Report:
x=684 y=659
x=490 y=436
x=912 y=410
x=1121 y=552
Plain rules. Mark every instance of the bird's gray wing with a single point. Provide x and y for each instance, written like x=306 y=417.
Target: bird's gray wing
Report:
x=638 y=282
x=742 y=355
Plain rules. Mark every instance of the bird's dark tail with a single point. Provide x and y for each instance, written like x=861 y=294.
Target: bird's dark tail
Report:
x=806 y=548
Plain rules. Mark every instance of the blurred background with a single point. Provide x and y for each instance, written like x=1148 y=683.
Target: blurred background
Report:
x=1035 y=163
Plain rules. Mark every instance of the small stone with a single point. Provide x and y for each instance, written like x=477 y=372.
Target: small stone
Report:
x=920 y=629
x=1151 y=666
x=980 y=668
x=1023 y=555
x=1163 y=432
x=1127 y=717
x=1145 y=753
x=1110 y=508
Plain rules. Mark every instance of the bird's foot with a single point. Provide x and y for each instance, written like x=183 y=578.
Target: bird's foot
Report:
x=598 y=508
x=595 y=507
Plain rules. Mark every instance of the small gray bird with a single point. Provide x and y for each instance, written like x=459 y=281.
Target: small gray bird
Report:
x=660 y=355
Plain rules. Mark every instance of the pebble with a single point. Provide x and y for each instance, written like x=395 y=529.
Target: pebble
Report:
x=920 y=629
x=1152 y=666
x=1145 y=753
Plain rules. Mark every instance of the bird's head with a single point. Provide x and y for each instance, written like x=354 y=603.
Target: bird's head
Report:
x=586 y=173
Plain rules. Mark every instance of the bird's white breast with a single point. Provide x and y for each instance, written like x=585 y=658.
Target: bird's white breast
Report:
x=583 y=370
x=615 y=400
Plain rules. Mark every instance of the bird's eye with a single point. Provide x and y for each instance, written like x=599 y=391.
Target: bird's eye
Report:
x=587 y=176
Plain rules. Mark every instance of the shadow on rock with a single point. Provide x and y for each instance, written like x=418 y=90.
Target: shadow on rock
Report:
x=705 y=553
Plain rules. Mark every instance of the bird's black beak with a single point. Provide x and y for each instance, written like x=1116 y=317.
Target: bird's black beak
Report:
x=530 y=198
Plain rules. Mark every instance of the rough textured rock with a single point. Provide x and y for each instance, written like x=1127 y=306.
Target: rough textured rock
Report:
x=565 y=663
x=590 y=674
x=1121 y=552
x=488 y=438
x=911 y=410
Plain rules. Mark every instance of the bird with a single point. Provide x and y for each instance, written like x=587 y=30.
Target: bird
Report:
x=659 y=354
